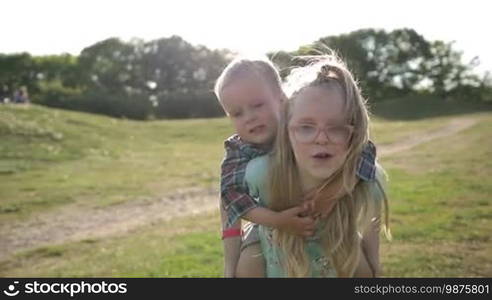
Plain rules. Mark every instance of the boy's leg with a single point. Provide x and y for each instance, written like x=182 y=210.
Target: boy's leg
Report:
x=251 y=261
x=232 y=253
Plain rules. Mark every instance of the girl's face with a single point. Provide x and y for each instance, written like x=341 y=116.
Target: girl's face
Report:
x=253 y=109
x=319 y=133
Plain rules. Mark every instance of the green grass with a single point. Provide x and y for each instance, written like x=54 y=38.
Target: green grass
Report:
x=410 y=116
x=441 y=211
x=185 y=247
x=441 y=206
x=51 y=157
x=385 y=132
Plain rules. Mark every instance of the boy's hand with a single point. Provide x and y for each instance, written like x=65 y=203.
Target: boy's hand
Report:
x=293 y=221
x=310 y=208
x=318 y=209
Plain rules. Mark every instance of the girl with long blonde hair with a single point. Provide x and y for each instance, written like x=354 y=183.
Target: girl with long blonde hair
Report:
x=322 y=131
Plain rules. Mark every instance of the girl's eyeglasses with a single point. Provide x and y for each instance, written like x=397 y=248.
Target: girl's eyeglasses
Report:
x=338 y=134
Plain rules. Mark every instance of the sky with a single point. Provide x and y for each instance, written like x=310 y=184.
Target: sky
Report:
x=249 y=27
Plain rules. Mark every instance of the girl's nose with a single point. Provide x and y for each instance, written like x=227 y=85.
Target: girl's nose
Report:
x=322 y=137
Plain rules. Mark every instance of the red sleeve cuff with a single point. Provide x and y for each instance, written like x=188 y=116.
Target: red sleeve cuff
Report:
x=231 y=232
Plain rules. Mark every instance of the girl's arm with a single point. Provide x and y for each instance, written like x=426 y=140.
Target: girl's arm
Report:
x=369 y=265
x=370 y=238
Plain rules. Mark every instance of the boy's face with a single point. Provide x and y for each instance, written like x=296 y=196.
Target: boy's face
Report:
x=253 y=109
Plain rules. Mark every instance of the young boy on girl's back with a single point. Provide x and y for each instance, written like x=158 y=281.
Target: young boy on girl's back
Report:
x=250 y=93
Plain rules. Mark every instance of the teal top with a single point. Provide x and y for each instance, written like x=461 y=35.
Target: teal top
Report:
x=320 y=264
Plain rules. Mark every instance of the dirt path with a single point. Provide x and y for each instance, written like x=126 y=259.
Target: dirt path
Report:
x=72 y=223
x=451 y=128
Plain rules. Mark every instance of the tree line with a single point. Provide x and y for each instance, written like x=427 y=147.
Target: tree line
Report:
x=171 y=78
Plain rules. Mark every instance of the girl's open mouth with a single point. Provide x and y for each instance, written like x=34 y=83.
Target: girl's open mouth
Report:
x=322 y=156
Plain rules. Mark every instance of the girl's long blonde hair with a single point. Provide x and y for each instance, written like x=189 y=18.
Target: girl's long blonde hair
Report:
x=353 y=212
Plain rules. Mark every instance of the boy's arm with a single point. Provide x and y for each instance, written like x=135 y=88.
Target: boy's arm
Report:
x=288 y=220
x=235 y=201
x=234 y=193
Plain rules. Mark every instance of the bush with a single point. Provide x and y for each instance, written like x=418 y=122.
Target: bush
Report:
x=54 y=94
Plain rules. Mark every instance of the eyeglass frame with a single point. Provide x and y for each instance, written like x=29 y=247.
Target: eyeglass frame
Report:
x=324 y=129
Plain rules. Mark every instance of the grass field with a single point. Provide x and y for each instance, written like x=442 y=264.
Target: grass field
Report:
x=441 y=211
x=52 y=157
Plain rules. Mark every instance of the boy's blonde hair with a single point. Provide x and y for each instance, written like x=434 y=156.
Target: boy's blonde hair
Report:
x=352 y=213
x=261 y=68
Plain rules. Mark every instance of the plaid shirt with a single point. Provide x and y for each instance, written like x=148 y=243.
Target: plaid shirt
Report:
x=366 y=169
x=234 y=192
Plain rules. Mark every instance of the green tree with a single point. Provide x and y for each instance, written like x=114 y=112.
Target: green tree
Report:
x=448 y=74
x=18 y=70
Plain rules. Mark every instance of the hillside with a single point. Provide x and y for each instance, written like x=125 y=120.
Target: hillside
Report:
x=115 y=197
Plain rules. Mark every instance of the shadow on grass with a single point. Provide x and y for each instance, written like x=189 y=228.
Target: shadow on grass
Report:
x=421 y=107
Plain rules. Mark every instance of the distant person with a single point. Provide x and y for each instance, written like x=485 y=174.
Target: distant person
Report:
x=250 y=93
x=21 y=95
x=4 y=94
x=24 y=95
x=17 y=96
x=322 y=134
